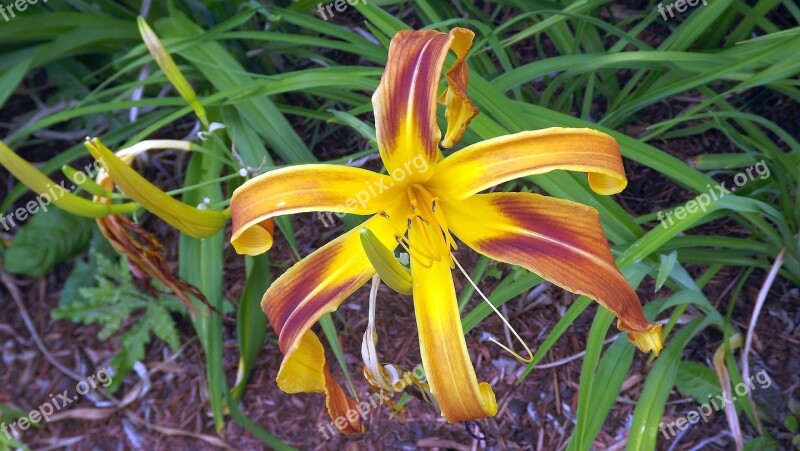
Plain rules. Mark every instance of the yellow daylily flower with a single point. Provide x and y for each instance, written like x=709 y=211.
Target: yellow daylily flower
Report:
x=424 y=202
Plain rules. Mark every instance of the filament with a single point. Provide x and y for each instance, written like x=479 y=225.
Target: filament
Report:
x=503 y=318
x=430 y=224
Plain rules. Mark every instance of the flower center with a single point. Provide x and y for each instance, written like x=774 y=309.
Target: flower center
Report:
x=432 y=239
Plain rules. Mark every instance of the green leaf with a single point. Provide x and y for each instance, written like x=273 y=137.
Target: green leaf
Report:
x=254 y=429
x=48 y=238
x=763 y=443
x=160 y=322
x=363 y=129
x=109 y=303
x=112 y=302
x=601 y=381
x=251 y=322
x=12 y=78
x=132 y=350
x=698 y=381
x=650 y=409
x=83 y=273
x=665 y=268
x=8 y=415
x=200 y=263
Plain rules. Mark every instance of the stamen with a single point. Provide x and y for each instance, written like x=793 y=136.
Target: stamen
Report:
x=428 y=224
x=403 y=242
x=440 y=218
x=503 y=318
x=401 y=238
x=429 y=242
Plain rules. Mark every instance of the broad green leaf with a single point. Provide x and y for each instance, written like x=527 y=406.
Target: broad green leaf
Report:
x=698 y=381
x=48 y=238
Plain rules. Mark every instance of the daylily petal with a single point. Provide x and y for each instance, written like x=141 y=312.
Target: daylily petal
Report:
x=497 y=160
x=559 y=240
x=189 y=220
x=459 y=108
x=297 y=189
x=405 y=101
x=444 y=352
x=308 y=372
x=307 y=291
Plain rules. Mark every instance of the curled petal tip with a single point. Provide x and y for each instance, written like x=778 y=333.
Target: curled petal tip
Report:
x=649 y=340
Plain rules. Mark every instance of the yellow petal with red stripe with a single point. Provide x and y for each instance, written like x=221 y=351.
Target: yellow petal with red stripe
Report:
x=441 y=338
x=317 y=285
x=304 y=188
x=559 y=240
x=459 y=109
x=497 y=160
x=308 y=372
x=405 y=101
